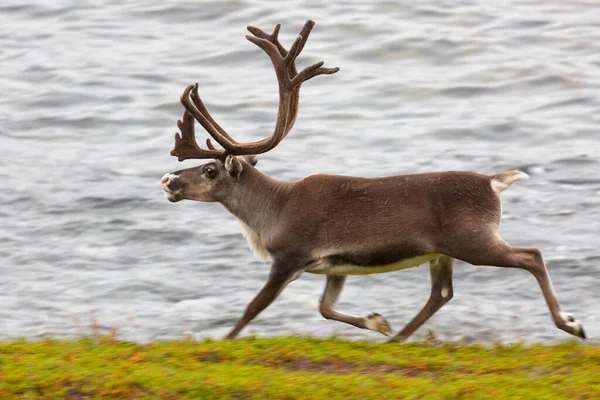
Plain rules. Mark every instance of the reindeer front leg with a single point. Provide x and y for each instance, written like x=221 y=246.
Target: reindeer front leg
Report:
x=372 y=321
x=281 y=274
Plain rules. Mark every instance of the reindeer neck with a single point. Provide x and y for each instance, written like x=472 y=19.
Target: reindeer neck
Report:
x=257 y=191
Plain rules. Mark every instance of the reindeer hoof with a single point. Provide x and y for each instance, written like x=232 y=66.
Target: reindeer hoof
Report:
x=377 y=323
x=577 y=329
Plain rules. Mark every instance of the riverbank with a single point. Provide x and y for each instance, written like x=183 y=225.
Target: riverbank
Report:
x=295 y=368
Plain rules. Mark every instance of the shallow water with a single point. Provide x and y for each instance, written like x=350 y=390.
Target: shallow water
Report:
x=89 y=100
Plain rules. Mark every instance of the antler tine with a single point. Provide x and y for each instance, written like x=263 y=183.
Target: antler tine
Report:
x=187 y=100
x=186 y=145
x=209 y=144
x=305 y=32
x=273 y=37
x=294 y=50
x=202 y=108
x=312 y=71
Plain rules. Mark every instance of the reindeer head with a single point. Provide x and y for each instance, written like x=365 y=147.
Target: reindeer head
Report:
x=212 y=181
x=209 y=182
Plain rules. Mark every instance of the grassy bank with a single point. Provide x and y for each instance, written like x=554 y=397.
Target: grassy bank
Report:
x=294 y=368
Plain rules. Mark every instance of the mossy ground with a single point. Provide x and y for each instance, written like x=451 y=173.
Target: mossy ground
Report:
x=294 y=368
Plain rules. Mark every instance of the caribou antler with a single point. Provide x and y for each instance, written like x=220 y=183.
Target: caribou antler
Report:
x=292 y=71
x=289 y=89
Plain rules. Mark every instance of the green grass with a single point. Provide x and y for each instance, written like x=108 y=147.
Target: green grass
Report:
x=294 y=368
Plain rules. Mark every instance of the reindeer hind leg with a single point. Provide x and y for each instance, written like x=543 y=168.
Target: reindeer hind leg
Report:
x=494 y=251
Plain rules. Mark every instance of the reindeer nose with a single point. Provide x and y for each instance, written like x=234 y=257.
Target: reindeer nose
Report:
x=165 y=179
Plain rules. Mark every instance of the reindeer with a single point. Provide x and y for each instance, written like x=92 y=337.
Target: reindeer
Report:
x=342 y=225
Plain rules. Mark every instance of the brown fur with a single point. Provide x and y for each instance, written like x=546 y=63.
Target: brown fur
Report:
x=383 y=220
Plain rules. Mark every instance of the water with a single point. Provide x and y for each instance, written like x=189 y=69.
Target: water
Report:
x=88 y=103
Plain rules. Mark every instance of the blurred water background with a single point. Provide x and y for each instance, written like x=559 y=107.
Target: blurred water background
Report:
x=88 y=103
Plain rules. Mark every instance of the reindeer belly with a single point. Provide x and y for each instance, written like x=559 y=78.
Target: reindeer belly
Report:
x=341 y=266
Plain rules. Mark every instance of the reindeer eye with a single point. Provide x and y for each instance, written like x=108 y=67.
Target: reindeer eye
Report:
x=210 y=172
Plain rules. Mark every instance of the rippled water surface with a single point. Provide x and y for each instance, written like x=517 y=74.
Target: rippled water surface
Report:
x=88 y=103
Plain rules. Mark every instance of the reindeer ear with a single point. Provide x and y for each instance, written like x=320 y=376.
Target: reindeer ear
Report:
x=233 y=166
x=252 y=160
